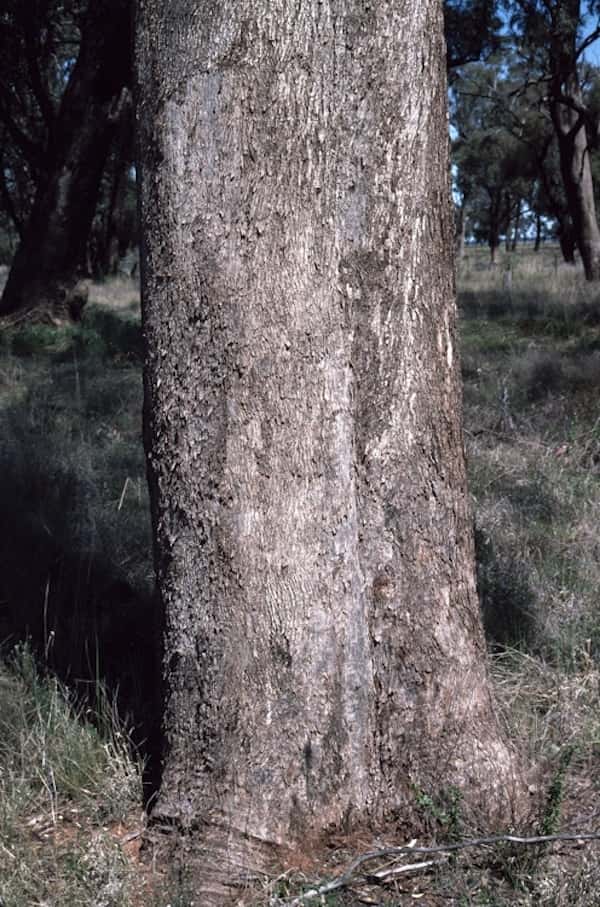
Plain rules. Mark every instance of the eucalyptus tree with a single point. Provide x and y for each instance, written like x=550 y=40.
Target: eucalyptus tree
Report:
x=494 y=165
x=324 y=662
x=553 y=36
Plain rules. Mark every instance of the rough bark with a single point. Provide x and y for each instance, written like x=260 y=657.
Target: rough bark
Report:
x=566 y=239
x=323 y=655
x=52 y=251
x=556 y=206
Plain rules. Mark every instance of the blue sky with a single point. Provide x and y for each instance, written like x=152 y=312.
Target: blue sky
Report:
x=592 y=54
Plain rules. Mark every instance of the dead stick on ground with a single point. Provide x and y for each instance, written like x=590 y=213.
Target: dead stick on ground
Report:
x=381 y=876
x=350 y=873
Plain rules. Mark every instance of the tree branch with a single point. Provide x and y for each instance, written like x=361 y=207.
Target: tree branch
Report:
x=593 y=36
x=40 y=92
x=351 y=872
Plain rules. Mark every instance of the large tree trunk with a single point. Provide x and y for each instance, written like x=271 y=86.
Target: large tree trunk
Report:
x=576 y=172
x=323 y=658
x=52 y=250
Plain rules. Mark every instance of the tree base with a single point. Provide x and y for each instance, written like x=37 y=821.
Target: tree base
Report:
x=56 y=309
x=217 y=863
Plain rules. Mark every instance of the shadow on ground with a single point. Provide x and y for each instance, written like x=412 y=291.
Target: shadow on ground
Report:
x=75 y=548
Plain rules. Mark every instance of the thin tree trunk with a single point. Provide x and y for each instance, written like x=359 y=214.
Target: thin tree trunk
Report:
x=324 y=661
x=52 y=251
x=108 y=229
x=566 y=239
x=516 y=227
x=461 y=229
x=538 y=232
x=496 y=214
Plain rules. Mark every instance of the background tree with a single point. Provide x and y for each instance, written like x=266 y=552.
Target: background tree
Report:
x=472 y=29
x=494 y=165
x=38 y=42
x=554 y=36
x=323 y=655
x=114 y=227
x=62 y=114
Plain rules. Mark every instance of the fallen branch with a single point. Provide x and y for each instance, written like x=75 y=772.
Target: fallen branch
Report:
x=381 y=876
x=350 y=874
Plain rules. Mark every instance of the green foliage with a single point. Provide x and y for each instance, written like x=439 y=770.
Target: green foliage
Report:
x=102 y=333
x=551 y=817
x=441 y=811
x=472 y=30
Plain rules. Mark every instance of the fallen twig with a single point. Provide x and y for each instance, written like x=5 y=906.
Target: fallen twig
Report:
x=489 y=841
x=381 y=876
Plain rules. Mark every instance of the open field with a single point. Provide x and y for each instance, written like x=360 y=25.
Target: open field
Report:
x=76 y=578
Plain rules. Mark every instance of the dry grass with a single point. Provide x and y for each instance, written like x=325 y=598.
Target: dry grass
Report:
x=65 y=784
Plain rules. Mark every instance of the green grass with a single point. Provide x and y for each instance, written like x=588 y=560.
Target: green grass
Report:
x=76 y=582
x=533 y=442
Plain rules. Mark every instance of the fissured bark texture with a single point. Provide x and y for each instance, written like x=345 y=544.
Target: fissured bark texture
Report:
x=323 y=653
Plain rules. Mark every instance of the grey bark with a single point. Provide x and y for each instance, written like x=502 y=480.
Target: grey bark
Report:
x=323 y=653
x=498 y=214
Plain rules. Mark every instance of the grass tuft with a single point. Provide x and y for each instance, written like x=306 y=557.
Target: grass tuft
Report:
x=64 y=780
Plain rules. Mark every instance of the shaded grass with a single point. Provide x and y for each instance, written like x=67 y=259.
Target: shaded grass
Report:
x=75 y=547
